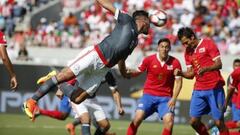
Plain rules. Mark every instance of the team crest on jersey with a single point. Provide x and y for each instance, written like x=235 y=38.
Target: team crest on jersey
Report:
x=202 y=50
x=169 y=67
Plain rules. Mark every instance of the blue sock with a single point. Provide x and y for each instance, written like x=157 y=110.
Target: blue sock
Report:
x=86 y=129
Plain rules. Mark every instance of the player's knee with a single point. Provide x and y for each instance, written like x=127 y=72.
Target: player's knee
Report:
x=193 y=122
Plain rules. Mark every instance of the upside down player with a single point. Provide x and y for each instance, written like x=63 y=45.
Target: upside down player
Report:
x=158 y=88
x=203 y=61
x=6 y=61
x=85 y=110
x=92 y=63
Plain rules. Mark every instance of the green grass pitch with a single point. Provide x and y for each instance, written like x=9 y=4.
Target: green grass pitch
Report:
x=21 y=125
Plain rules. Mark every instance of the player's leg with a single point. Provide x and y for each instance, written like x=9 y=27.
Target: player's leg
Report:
x=62 y=113
x=198 y=107
x=145 y=108
x=235 y=122
x=85 y=121
x=166 y=114
x=82 y=114
x=80 y=63
x=216 y=101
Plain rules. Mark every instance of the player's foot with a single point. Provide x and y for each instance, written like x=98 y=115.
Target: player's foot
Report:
x=30 y=108
x=70 y=128
x=210 y=124
x=46 y=77
x=110 y=133
x=214 y=131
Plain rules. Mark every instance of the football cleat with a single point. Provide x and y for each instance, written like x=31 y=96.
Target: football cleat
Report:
x=30 y=108
x=70 y=128
x=46 y=77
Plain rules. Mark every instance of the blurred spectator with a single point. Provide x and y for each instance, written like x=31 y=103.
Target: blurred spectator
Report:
x=2 y=23
x=70 y=20
x=186 y=18
x=51 y=40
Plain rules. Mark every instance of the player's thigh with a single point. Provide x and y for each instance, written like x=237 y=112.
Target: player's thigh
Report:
x=85 y=59
x=145 y=106
x=79 y=109
x=216 y=102
x=162 y=107
x=198 y=105
x=97 y=111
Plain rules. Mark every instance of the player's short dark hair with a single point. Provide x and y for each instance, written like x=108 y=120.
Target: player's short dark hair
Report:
x=164 y=40
x=138 y=13
x=236 y=60
x=185 y=31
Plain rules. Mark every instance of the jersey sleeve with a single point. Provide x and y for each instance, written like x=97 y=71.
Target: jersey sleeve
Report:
x=143 y=65
x=122 y=17
x=187 y=60
x=111 y=81
x=177 y=65
x=3 y=40
x=233 y=80
x=213 y=50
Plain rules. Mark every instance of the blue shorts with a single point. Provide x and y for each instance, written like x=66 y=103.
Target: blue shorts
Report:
x=207 y=102
x=150 y=104
x=235 y=113
x=65 y=105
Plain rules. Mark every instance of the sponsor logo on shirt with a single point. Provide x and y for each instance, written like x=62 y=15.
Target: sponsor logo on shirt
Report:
x=202 y=50
x=169 y=67
x=154 y=66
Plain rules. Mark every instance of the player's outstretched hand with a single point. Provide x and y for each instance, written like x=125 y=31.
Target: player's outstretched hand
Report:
x=171 y=104
x=121 y=111
x=13 y=83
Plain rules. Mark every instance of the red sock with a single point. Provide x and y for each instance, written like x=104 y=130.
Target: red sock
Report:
x=52 y=114
x=202 y=130
x=166 y=132
x=231 y=124
x=224 y=133
x=132 y=129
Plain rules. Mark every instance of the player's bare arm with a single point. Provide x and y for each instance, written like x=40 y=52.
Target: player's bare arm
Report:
x=107 y=4
x=178 y=87
x=189 y=74
x=117 y=98
x=133 y=72
x=7 y=63
x=229 y=96
x=216 y=66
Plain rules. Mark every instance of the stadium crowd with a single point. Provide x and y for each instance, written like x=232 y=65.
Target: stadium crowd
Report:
x=218 y=19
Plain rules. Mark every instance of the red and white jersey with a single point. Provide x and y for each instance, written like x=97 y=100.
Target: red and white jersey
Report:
x=203 y=56
x=235 y=83
x=160 y=78
x=3 y=40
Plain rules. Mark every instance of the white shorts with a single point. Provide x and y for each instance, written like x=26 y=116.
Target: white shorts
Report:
x=88 y=69
x=89 y=106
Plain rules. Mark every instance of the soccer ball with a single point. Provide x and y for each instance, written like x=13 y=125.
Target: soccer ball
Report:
x=158 y=18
